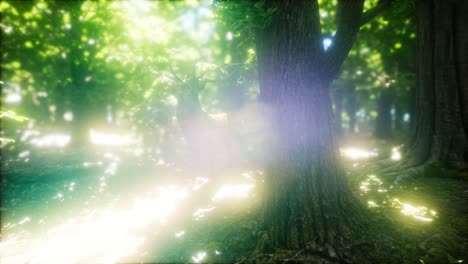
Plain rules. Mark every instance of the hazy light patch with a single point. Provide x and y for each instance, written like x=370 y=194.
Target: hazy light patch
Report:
x=68 y=116
x=100 y=236
x=111 y=169
x=112 y=139
x=201 y=212
x=13 y=98
x=42 y=94
x=199 y=257
x=229 y=36
x=233 y=191
x=138 y=152
x=420 y=213
x=396 y=155
x=249 y=175
x=24 y=154
x=24 y=220
x=372 y=204
x=357 y=153
x=52 y=140
x=199 y=182
x=406 y=118
x=29 y=133
x=14 y=116
x=5 y=141
x=180 y=233
x=170 y=100
x=219 y=117
x=71 y=186
x=87 y=164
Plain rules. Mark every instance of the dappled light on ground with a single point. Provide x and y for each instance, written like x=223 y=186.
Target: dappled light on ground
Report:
x=101 y=235
x=353 y=153
x=381 y=194
x=109 y=226
x=198 y=258
x=396 y=154
x=372 y=182
x=112 y=138
x=420 y=213
x=51 y=140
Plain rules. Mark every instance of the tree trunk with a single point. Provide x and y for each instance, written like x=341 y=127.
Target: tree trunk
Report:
x=80 y=88
x=439 y=130
x=351 y=106
x=383 y=123
x=308 y=199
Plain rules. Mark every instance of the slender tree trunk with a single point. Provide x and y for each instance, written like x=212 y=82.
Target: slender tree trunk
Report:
x=351 y=106
x=439 y=130
x=308 y=199
x=383 y=123
x=398 y=121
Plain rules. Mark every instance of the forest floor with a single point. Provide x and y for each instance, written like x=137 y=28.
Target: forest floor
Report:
x=115 y=205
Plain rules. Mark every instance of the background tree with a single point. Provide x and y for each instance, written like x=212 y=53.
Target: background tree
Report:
x=439 y=128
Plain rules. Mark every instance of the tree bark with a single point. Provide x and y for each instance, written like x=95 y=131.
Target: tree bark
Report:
x=383 y=123
x=308 y=199
x=440 y=121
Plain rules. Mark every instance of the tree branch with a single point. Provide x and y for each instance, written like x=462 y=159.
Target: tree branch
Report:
x=375 y=11
x=348 y=20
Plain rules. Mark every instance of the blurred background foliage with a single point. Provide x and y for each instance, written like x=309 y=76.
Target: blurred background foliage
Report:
x=67 y=65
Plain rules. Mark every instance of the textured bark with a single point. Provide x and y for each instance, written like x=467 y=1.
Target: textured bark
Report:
x=308 y=199
x=440 y=122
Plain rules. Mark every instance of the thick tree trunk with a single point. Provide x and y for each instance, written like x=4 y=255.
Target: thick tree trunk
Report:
x=440 y=123
x=351 y=106
x=308 y=200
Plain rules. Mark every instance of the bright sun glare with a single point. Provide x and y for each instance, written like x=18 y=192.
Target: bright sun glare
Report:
x=108 y=234
x=103 y=236
x=354 y=153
